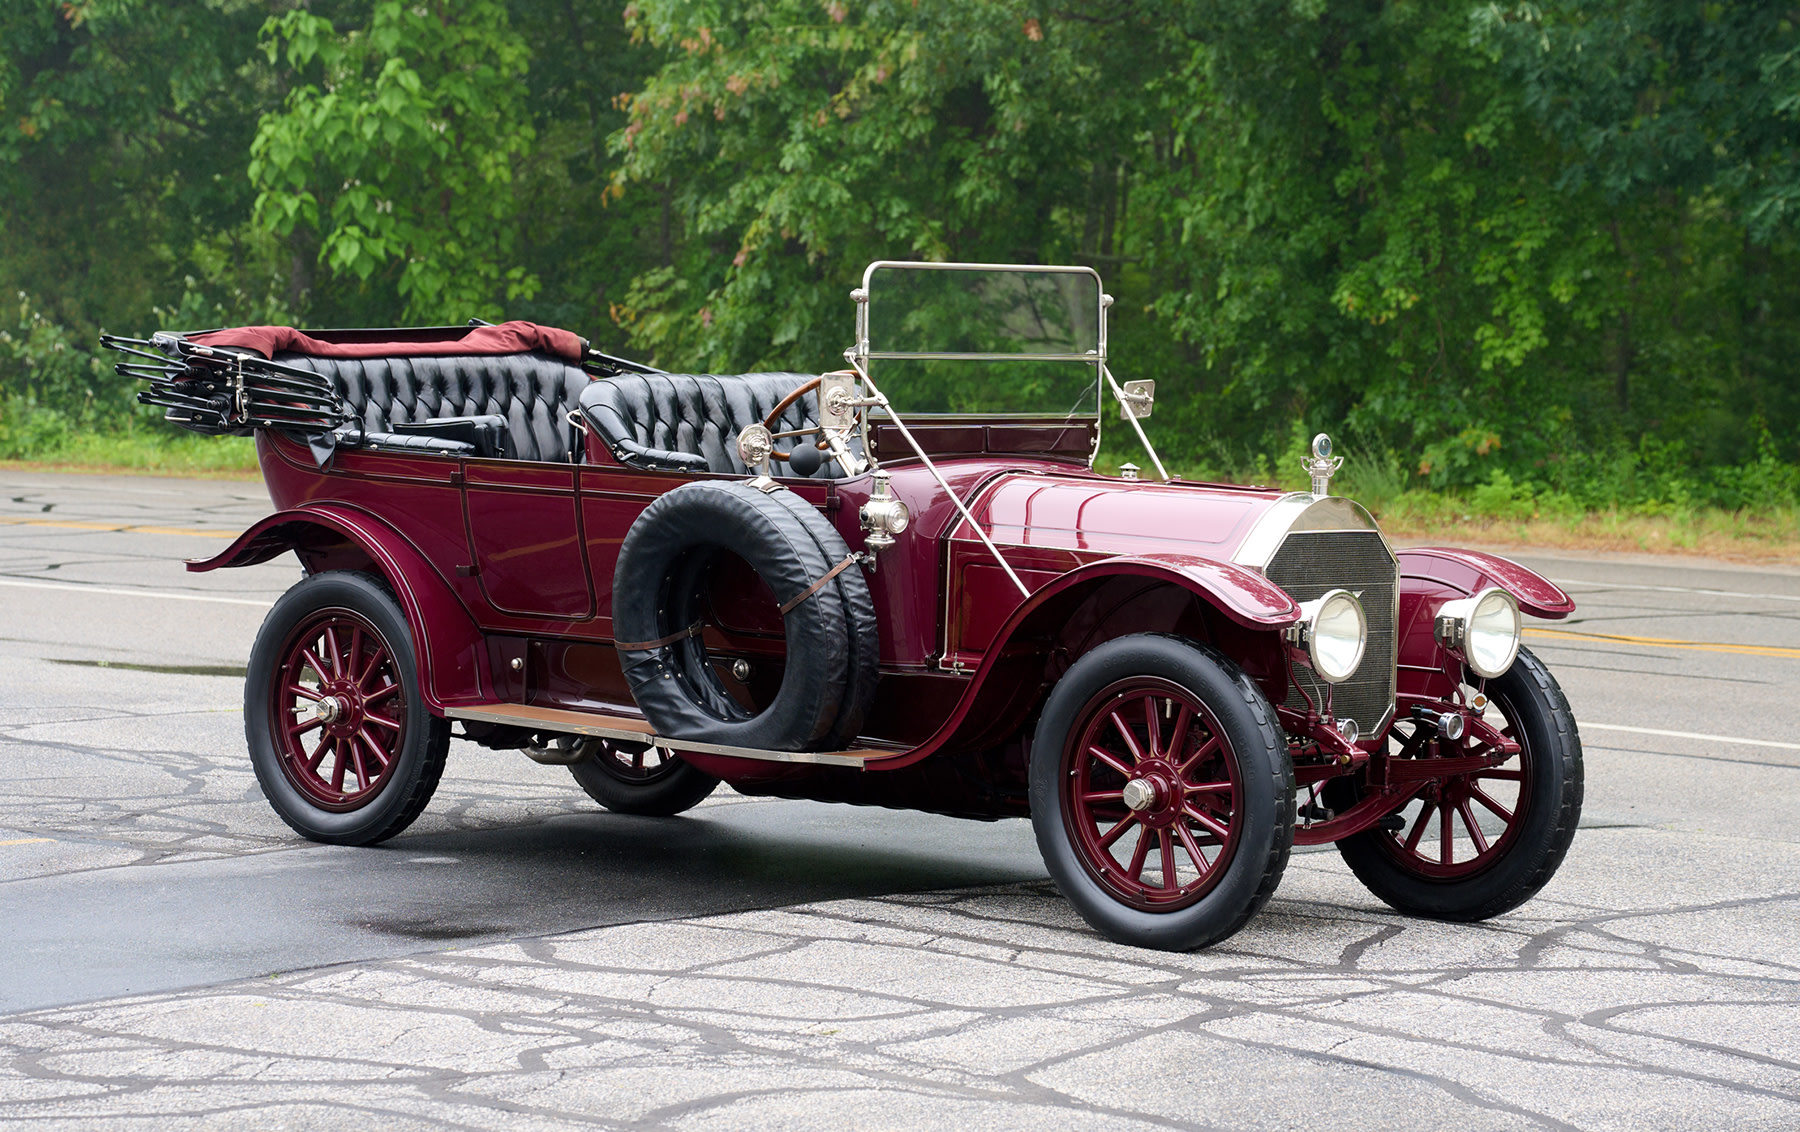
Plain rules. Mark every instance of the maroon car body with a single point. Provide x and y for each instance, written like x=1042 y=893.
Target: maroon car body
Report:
x=504 y=572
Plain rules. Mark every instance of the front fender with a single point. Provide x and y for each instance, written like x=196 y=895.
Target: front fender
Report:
x=335 y=536
x=1238 y=592
x=1431 y=576
x=1469 y=571
x=1011 y=673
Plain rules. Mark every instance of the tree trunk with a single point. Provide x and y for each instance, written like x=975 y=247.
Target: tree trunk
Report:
x=1622 y=362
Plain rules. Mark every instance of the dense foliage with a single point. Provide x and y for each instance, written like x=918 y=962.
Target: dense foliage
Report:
x=1549 y=251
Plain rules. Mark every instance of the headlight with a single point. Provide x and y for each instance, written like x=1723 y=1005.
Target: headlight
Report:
x=1485 y=629
x=1334 y=631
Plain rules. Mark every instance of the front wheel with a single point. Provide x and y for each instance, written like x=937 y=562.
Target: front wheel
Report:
x=1161 y=792
x=340 y=737
x=1475 y=845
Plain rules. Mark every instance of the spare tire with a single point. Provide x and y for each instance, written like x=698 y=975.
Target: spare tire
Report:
x=862 y=667
x=660 y=599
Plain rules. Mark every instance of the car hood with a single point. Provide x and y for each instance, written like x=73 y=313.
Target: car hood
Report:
x=1100 y=516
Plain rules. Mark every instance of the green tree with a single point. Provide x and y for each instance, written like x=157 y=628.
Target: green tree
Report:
x=124 y=130
x=805 y=139
x=1531 y=247
x=398 y=149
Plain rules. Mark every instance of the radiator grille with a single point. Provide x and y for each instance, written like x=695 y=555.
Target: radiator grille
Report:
x=1310 y=563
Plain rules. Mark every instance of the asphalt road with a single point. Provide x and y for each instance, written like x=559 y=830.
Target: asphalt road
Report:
x=174 y=957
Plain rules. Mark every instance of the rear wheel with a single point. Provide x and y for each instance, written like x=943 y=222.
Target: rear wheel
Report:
x=635 y=778
x=1161 y=792
x=342 y=742
x=1476 y=845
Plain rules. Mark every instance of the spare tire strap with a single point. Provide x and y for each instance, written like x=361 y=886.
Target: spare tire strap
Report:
x=691 y=631
x=818 y=585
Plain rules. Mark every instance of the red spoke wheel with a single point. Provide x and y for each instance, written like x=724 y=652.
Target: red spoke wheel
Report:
x=339 y=709
x=1161 y=792
x=1473 y=846
x=1153 y=796
x=635 y=778
x=342 y=743
x=1462 y=824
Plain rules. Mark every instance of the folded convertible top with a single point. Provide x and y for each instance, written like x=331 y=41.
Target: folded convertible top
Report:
x=505 y=338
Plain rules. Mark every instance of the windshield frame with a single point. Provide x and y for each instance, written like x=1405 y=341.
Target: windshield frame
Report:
x=863 y=352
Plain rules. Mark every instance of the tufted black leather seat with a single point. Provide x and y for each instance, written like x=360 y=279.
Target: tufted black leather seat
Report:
x=532 y=392
x=690 y=422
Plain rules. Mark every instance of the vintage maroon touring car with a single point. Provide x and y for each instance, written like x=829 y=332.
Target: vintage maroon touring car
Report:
x=900 y=584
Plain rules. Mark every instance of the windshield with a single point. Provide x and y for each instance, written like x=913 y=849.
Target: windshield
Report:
x=971 y=338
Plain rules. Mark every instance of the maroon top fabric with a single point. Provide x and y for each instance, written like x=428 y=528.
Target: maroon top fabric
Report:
x=506 y=338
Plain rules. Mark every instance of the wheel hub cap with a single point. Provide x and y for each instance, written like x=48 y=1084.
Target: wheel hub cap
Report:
x=1140 y=794
x=330 y=709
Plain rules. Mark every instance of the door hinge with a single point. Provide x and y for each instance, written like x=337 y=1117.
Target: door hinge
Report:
x=469 y=571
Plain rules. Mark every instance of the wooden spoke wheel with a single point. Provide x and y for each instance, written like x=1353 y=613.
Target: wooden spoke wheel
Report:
x=342 y=743
x=1472 y=846
x=1153 y=798
x=340 y=709
x=1460 y=825
x=1161 y=792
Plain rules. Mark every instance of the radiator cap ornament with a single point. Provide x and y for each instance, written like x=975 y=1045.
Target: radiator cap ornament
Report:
x=1322 y=465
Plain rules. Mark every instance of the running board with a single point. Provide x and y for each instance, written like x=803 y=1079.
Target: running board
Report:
x=633 y=730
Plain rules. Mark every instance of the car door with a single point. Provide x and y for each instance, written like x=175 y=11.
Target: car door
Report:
x=525 y=538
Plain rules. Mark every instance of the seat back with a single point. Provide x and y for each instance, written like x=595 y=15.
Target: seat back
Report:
x=533 y=392
x=676 y=420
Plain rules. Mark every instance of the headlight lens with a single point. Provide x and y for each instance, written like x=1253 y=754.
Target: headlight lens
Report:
x=1336 y=633
x=1485 y=629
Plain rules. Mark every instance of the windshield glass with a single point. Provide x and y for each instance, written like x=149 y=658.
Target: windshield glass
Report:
x=962 y=339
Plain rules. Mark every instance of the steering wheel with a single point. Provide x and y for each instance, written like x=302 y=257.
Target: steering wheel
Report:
x=785 y=404
x=821 y=446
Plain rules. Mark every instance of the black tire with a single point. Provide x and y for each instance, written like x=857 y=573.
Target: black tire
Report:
x=383 y=671
x=862 y=671
x=659 y=591
x=1250 y=753
x=621 y=777
x=1551 y=788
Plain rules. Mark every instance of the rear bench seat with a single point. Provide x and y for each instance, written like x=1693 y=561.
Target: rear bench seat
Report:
x=531 y=393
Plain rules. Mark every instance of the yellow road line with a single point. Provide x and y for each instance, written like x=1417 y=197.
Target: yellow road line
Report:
x=27 y=841
x=134 y=528
x=1663 y=642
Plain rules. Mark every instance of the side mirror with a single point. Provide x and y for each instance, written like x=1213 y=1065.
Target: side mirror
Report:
x=1139 y=399
x=837 y=400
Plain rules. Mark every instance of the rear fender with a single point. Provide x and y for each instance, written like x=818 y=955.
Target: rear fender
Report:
x=337 y=537
x=1431 y=576
x=1235 y=608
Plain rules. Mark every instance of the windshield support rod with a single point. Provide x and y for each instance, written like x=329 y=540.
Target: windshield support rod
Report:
x=880 y=398
x=1132 y=417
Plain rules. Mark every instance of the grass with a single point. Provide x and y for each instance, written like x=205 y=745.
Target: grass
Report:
x=147 y=453
x=1771 y=536
x=1514 y=518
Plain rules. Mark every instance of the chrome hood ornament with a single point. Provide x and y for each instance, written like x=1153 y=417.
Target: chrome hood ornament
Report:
x=1322 y=465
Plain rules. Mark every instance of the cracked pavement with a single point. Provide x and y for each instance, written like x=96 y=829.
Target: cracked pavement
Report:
x=520 y=959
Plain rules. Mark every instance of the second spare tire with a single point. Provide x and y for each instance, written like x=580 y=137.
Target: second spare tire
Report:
x=660 y=602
